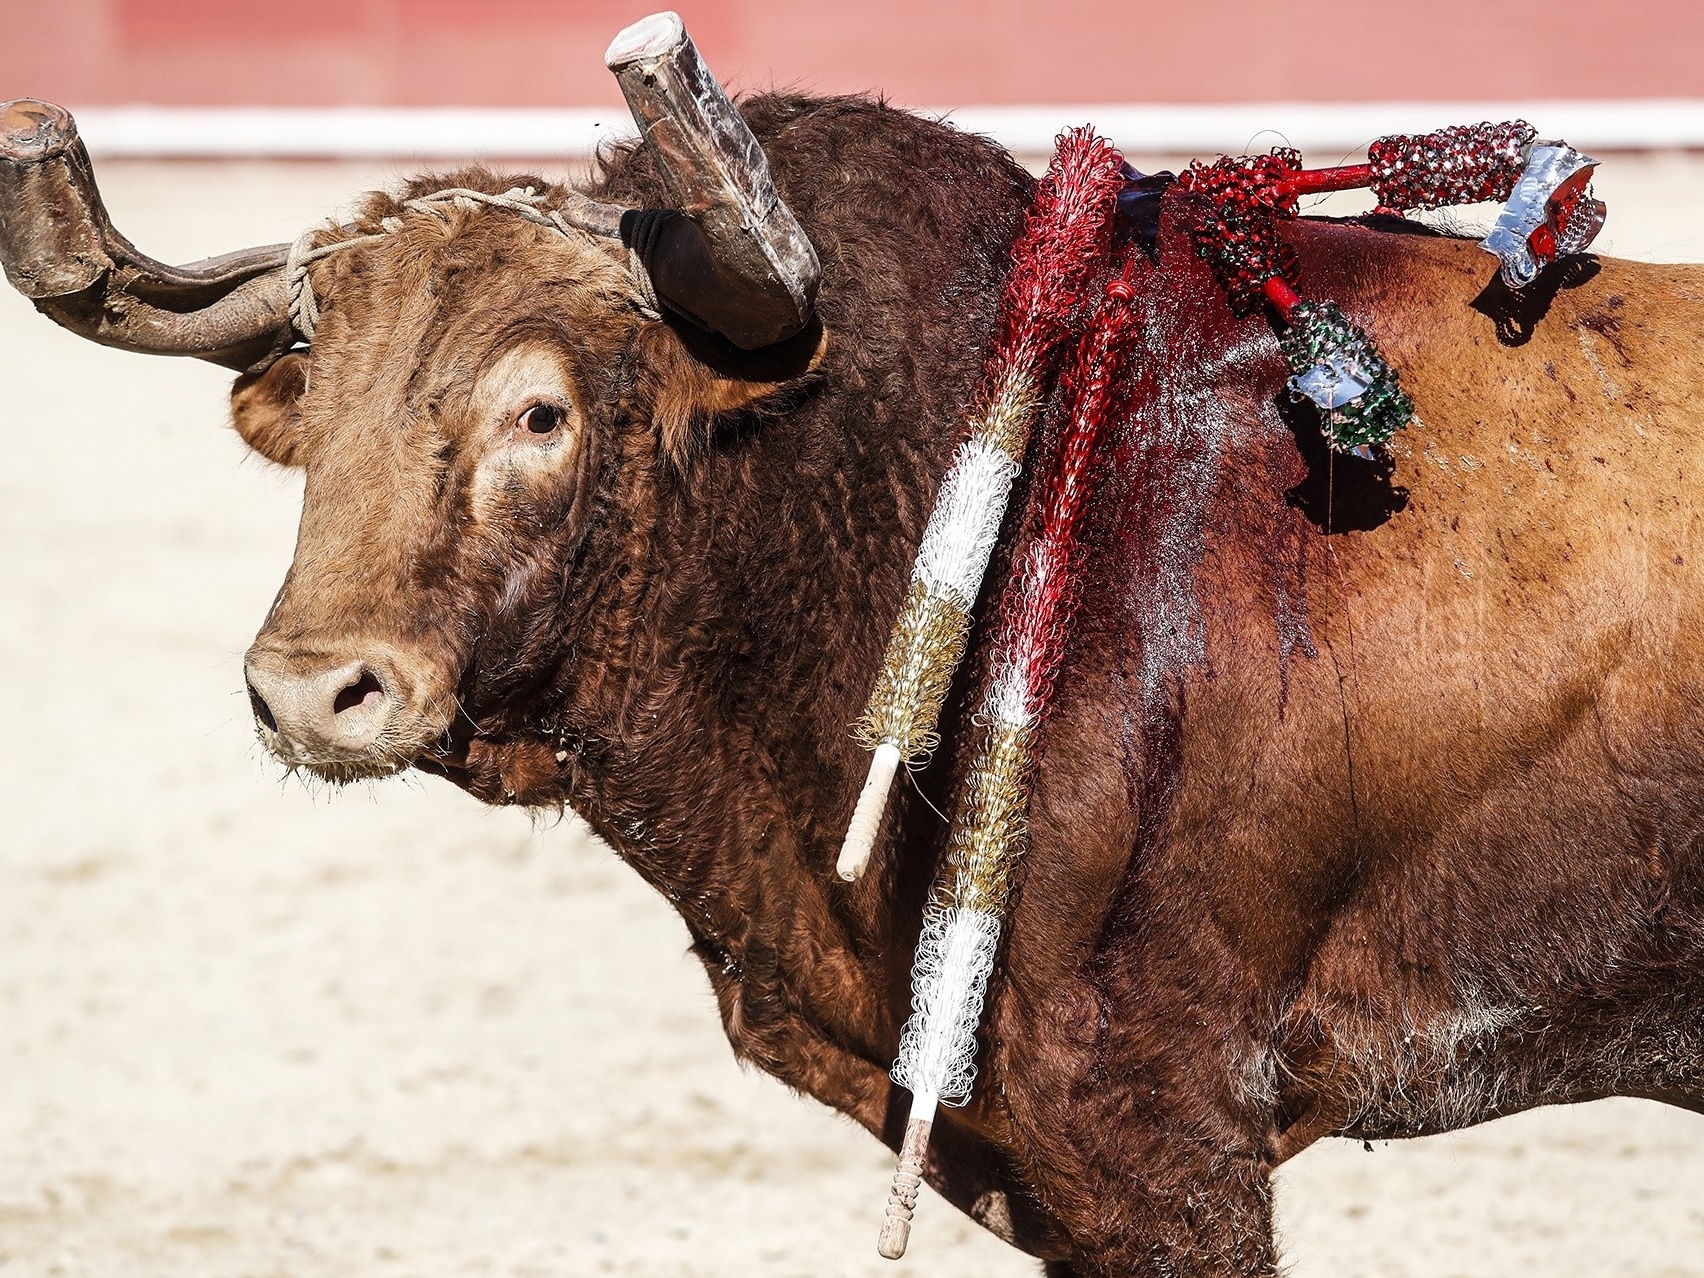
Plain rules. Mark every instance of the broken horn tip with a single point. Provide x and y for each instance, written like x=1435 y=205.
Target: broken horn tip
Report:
x=33 y=130
x=26 y=116
x=648 y=38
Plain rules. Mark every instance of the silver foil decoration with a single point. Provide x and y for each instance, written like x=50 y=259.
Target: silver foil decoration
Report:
x=1549 y=214
x=1334 y=381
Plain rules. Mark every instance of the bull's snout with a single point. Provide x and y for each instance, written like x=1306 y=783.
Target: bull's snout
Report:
x=344 y=715
x=343 y=708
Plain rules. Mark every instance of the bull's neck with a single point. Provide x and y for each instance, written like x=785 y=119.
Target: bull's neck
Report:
x=749 y=658
x=707 y=723
x=719 y=764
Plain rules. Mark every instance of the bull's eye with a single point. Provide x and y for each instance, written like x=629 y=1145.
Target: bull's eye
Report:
x=540 y=419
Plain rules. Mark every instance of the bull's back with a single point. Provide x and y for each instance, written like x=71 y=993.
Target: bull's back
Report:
x=1450 y=808
x=1546 y=562
x=1489 y=831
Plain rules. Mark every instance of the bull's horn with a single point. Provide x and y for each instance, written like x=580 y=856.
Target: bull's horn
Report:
x=738 y=262
x=60 y=250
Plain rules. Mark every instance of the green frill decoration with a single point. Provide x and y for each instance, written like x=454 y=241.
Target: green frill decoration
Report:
x=1320 y=337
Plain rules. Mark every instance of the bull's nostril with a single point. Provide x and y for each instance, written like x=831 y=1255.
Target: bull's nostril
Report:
x=365 y=691
x=262 y=711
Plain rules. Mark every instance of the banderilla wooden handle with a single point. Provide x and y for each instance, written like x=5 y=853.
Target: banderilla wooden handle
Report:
x=866 y=820
x=902 y=1199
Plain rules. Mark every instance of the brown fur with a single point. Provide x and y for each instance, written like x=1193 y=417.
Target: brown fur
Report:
x=1361 y=811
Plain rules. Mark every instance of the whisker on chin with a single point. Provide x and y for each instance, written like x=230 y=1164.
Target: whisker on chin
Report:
x=386 y=759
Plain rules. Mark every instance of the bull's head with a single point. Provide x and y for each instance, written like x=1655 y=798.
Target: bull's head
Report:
x=461 y=381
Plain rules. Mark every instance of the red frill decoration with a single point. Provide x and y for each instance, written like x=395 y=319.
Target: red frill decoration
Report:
x=1059 y=253
x=1245 y=194
x=1040 y=598
x=1463 y=164
x=1238 y=237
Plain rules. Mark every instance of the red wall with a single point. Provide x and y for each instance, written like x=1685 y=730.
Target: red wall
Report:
x=955 y=52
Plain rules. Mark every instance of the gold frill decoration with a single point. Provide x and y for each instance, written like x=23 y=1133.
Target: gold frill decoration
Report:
x=988 y=833
x=930 y=637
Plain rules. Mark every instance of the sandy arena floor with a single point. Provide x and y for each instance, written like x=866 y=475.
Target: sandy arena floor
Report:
x=249 y=1030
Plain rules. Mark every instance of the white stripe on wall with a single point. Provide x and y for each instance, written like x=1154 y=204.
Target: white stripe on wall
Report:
x=437 y=132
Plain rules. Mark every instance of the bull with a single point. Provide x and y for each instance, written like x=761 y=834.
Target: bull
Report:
x=1369 y=805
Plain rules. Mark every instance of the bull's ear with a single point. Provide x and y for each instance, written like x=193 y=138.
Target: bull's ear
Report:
x=695 y=377
x=263 y=409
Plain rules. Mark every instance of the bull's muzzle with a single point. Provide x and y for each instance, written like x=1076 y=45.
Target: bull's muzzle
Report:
x=343 y=717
